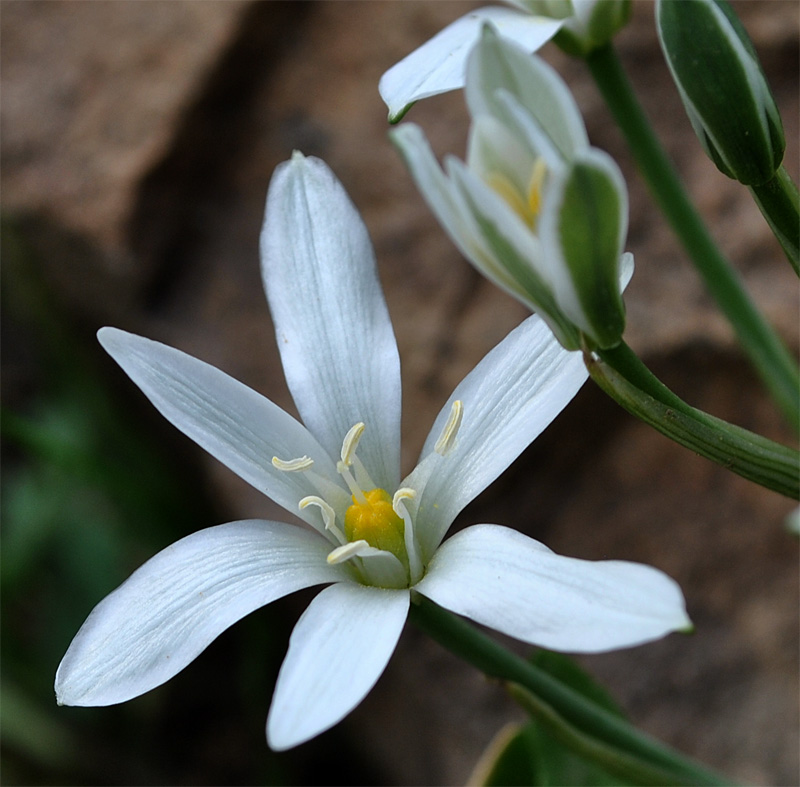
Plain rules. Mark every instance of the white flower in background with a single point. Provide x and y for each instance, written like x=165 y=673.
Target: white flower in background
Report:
x=374 y=539
x=535 y=208
x=438 y=65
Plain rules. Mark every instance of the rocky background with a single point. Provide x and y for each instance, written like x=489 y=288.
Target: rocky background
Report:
x=138 y=140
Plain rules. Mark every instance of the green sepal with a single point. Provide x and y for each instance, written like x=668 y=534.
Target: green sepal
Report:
x=723 y=87
x=584 y=227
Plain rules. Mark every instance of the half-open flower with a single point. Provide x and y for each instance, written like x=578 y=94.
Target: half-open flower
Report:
x=375 y=539
x=535 y=208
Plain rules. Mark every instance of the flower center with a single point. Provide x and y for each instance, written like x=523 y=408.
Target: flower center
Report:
x=376 y=523
x=526 y=204
x=376 y=531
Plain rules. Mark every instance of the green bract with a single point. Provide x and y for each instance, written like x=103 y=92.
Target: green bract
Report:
x=536 y=209
x=723 y=88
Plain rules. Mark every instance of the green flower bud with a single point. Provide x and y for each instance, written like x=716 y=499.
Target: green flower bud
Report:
x=593 y=24
x=723 y=88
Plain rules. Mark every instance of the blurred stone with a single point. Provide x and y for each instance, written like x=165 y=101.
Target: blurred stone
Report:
x=92 y=96
x=150 y=132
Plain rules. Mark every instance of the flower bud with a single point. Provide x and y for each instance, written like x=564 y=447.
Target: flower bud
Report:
x=723 y=88
x=593 y=24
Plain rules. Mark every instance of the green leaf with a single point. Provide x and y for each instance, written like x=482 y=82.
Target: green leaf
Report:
x=531 y=755
x=567 y=670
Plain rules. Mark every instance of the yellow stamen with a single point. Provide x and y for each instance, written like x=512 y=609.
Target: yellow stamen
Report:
x=528 y=205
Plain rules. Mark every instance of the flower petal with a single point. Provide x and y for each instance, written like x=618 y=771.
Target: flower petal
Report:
x=177 y=603
x=498 y=62
x=338 y=650
x=508 y=400
x=583 y=226
x=236 y=425
x=517 y=248
x=503 y=579
x=482 y=225
x=447 y=203
x=332 y=325
x=439 y=64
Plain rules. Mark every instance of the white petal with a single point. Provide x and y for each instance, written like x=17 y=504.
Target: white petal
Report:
x=171 y=608
x=236 y=425
x=508 y=400
x=515 y=247
x=331 y=322
x=439 y=64
x=503 y=579
x=448 y=205
x=499 y=63
x=491 y=209
x=337 y=652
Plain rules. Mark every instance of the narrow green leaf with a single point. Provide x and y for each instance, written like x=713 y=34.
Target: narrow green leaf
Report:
x=619 y=763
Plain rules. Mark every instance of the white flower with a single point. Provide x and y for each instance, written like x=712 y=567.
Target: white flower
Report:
x=375 y=540
x=535 y=208
x=439 y=64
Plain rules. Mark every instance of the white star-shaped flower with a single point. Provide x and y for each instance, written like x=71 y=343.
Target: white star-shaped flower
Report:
x=375 y=540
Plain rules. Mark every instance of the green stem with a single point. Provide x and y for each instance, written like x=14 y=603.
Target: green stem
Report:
x=770 y=357
x=628 y=767
x=778 y=201
x=623 y=376
x=466 y=642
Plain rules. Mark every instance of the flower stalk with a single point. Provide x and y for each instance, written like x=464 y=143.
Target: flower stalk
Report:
x=768 y=354
x=466 y=642
x=777 y=199
x=621 y=374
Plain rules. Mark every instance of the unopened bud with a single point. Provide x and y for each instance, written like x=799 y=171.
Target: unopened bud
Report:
x=723 y=88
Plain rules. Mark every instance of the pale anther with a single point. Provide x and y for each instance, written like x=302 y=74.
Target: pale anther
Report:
x=404 y=493
x=293 y=465
x=348 y=551
x=447 y=439
x=350 y=443
x=328 y=515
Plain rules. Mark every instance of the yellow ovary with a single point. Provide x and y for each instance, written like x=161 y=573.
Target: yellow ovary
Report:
x=376 y=523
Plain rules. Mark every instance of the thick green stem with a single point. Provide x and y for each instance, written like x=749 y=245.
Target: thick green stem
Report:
x=466 y=642
x=778 y=201
x=768 y=354
x=623 y=376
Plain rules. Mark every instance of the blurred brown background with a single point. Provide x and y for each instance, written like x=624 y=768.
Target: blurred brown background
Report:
x=138 y=140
